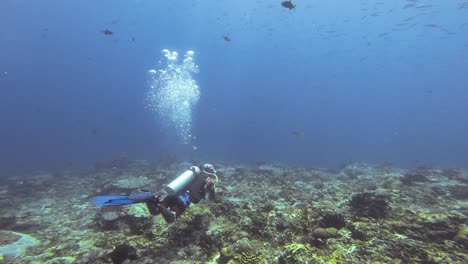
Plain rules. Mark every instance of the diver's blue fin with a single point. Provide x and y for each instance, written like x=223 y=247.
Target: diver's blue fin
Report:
x=112 y=200
x=116 y=200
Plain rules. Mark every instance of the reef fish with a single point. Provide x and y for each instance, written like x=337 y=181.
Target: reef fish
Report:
x=297 y=134
x=107 y=32
x=288 y=4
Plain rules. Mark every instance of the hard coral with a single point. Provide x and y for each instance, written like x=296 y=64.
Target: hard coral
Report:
x=248 y=258
x=122 y=253
x=295 y=253
x=324 y=233
x=333 y=219
x=369 y=205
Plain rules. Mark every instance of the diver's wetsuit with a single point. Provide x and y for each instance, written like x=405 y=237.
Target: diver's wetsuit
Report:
x=179 y=202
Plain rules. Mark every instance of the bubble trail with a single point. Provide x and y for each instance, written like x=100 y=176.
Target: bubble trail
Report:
x=173 y=92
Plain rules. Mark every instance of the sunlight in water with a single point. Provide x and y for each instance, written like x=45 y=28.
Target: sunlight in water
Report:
x=173 y=92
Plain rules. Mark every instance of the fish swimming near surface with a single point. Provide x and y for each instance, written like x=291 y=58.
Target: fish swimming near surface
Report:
x=226 y=38
x=107 y=32
x=288 y=4
x=297 y=134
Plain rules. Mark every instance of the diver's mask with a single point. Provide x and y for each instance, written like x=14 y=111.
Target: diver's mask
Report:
x=209 y=169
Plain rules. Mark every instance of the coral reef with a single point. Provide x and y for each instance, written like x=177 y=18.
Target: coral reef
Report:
x=122 y=253
x=132 y=182
x=333 y=219
x=369 y=205
x=411 y=178
x=267 y=213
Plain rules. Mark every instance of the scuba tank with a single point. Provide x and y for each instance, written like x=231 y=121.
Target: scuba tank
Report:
x=179 y=183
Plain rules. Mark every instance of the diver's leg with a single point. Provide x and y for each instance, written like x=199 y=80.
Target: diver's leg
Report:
x=152 y=207
x=169 y=216
x=172 y=207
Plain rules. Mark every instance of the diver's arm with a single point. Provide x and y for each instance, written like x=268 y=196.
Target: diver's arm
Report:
x=210 y=187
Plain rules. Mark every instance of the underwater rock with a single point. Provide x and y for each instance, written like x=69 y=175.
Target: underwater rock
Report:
x=324 y=233
x=123 y=252
x=136 y=225
x=109 y=216
x=369 y=205
x=411 y=178
x=107 y=220
x=356 y=233
x=189 y=229
x=320 y=233
x=332 y=219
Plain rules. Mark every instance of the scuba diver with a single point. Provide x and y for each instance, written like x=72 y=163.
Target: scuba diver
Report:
x=189 y=187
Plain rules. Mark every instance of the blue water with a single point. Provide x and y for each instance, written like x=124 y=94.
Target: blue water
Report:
x=371 y=81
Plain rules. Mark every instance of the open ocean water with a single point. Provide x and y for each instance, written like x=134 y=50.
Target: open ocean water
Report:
x=337 y=130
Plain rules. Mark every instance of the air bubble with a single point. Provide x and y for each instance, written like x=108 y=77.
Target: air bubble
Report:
x=173 y=92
